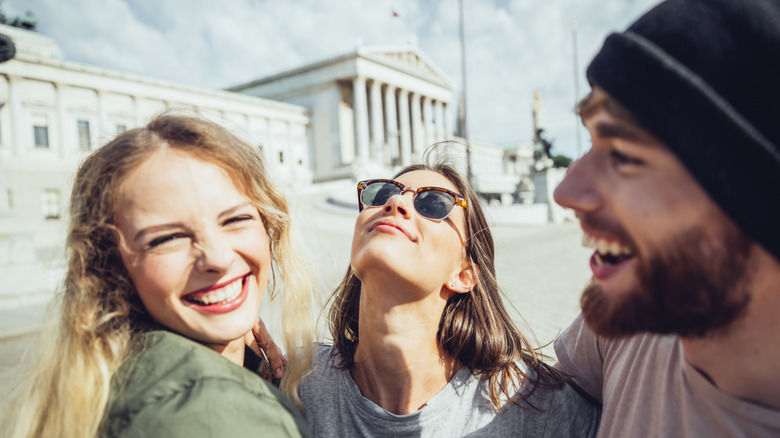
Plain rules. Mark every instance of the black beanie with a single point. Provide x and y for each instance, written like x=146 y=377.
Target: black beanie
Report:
x=704 y=77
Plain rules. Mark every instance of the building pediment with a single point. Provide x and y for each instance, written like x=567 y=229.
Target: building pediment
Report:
x=409 y=60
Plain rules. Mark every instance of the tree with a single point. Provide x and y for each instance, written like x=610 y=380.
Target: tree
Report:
x=561 y=160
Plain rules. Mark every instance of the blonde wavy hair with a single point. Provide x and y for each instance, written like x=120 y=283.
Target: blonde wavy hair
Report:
x=65 y=389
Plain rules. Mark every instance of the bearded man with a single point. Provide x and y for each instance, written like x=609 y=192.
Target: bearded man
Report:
x=680 y=327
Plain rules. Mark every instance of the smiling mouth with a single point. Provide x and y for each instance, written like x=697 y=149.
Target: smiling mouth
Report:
x=224 y=294
x=607 y=253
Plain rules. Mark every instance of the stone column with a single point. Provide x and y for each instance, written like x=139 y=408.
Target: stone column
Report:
x=417 y=126
x=377 y=122
x=61 y=118
x=101 y=133
x=15 y=105
x=5 y=206
x=289 y=151
x=360 y=108
x=136 y=112
x=446 y=121
x=392 y=124
x=268 y=149
x=405 y=128
x=428 y=121
x=439 y=111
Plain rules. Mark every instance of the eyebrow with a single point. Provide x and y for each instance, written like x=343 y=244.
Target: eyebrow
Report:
x=619 y=131
x=179 y=225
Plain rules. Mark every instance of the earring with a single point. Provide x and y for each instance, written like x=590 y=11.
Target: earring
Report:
x=452 y=285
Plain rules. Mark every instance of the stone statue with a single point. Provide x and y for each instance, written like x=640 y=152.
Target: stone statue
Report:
x=7 y=48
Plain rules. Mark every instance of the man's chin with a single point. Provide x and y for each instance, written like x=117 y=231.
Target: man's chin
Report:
x=609 y=316
x=647 y=311
x=692 y=286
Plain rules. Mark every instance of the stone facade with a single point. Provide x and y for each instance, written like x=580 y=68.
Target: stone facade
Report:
x=53 y=112
x=373 y=108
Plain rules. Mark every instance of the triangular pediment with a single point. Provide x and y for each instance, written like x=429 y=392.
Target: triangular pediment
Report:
x=410 y=60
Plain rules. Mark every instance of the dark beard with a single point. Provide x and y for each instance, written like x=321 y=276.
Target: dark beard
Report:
x=692 y=287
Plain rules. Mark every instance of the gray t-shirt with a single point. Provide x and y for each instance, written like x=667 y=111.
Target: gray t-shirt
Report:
x=649 y=389
x=334 y=407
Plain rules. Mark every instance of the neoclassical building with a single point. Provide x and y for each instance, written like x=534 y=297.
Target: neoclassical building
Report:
x=377 y=107
x=358 y=115
x=53 y=112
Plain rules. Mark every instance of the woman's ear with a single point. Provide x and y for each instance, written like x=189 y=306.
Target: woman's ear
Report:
x=465 y=279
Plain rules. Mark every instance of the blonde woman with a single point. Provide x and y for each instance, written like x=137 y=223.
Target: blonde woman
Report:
x=175 y=231
x=422 y=343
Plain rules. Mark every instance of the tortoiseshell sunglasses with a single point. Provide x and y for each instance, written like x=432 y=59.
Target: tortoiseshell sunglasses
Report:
x=435 y=203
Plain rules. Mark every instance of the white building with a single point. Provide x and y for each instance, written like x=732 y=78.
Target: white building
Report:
x=53 y=112
x=372 y=108
x=358 y=115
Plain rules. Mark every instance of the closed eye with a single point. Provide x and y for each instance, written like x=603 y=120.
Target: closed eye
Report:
x=238 y=219
x=620 y=159
x=165 y=239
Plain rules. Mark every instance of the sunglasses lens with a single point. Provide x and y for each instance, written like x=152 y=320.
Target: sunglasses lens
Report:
x=434 y=204
x=376 y=194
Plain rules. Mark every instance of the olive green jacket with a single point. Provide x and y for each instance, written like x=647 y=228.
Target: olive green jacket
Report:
x=176 y=387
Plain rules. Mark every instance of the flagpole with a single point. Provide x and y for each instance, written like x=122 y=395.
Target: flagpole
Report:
x=464 y=124
x=576 y=87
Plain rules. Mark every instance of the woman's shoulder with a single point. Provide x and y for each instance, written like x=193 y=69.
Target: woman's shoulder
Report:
x=324 y=375
x=173 y=384
x=325 y=361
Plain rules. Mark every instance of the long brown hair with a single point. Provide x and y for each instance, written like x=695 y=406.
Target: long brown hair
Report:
x=68 y=385
x=475 y=327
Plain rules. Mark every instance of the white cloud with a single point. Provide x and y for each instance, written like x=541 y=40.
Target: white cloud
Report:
x=513 y=46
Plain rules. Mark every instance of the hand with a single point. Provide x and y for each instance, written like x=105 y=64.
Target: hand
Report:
x=259 y=340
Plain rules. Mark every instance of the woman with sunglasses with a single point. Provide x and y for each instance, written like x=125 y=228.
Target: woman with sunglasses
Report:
x=423 y=345
x=175 y=231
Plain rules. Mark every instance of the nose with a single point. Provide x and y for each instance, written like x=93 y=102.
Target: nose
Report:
x=214 y=254
x=577 y=190
x=400 y=203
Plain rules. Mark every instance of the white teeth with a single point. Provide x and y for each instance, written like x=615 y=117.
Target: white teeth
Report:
x=597 y=258
x=605 y=247
x=223 y=295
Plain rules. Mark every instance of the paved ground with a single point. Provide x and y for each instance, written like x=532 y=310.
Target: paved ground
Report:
x=542 y=269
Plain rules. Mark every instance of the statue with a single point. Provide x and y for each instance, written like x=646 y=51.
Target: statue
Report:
x=542 y=146
x=7 y=48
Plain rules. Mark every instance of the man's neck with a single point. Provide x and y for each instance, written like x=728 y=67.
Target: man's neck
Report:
x=743 y=359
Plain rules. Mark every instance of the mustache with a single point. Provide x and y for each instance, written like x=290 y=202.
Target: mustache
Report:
x=592 y=223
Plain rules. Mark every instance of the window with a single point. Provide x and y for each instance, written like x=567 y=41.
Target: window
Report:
x=51 y=204
x=41 y=134
x=84 y=143
x=120 y=128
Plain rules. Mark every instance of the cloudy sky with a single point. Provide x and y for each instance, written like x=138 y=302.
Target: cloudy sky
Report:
x=513 y=47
